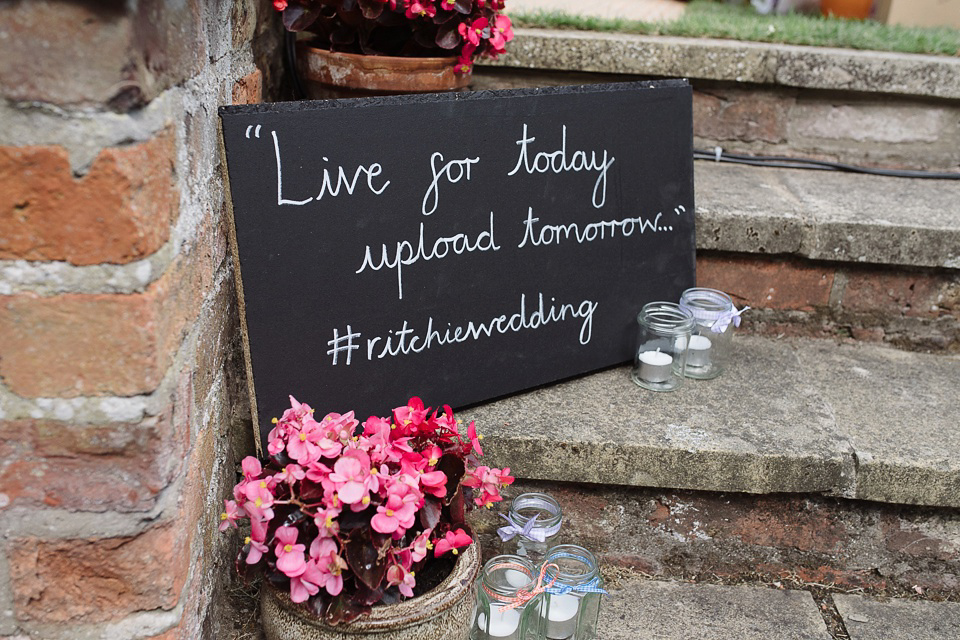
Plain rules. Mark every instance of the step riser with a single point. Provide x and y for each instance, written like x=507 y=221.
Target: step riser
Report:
x=879 y=548
x=877 y=130
x=916 y=309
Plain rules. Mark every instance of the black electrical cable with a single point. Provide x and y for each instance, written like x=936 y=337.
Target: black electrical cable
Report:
x=783 y=162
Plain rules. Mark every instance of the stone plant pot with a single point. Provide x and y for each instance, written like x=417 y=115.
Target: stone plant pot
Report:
x=443 y=613
x=855 y=9
x=328 y=74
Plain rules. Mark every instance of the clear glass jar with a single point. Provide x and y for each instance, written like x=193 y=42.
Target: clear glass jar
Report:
x=499 y=585
x=715 y=316
x=533 y=526
x=570 y=606
x=663 y=335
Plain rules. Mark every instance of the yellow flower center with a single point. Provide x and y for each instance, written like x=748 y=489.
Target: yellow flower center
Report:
x=433 y=461
x=328 y=522
x=224 y=516
x=258 y=502
x=263 y=484
x=374 y=471
x=365 y=500
x=247 y=540
x=389 y=513
x=336 y=499
x=288 y=548
x=429 y=545
x=303 y=437
x=455 y=552
x=274 y=421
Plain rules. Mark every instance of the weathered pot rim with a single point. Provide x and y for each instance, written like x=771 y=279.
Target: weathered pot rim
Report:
x=407 y=613
x=394 y=61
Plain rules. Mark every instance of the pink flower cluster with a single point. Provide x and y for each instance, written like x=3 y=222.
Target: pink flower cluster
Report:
x=331 y=484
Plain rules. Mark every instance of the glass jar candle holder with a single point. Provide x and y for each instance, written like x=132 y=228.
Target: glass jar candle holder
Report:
x=570 y=605
x=663 y=335
x=502 y=611
x=532 y=526
x=715 y=317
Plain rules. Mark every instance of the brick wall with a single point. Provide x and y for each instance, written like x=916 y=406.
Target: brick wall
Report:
x=122 y=398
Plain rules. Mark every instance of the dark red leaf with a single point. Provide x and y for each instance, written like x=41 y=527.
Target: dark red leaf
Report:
x=463 y=6
x=430 y=513
x=364 y=558
x=371 y=8
x=452 y=467
x=457 y=509
x=298 y=18
x=343 y=610
x=448 y=37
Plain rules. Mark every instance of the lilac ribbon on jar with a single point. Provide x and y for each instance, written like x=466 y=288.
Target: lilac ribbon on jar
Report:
x=530 y=530
x=717 y=320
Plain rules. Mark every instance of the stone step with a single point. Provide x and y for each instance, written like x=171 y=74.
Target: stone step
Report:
x=646 y=609
x=789 y=416
x=861 y=107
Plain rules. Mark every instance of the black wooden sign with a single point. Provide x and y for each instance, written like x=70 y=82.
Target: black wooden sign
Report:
x=458 y=247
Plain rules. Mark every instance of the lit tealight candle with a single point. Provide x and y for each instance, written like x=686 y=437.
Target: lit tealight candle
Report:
x=699 y=353
x=655 y=366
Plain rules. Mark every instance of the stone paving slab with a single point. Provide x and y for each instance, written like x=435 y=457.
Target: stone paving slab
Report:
x=898 y=410
x=828 y=215
x=735 y=61
x=869 y=619
x=649 y=610
x=801 y=416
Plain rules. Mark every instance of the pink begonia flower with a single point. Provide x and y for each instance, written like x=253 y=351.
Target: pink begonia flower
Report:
x=448 y=5
x=421 y=545
x=290 y=474
x=395 y=516
x=251 y=468
x=421 y=8
x=290 y=555
x=412 y=413
x=326 y=521
x=259 y=500
x=434 y=483
x=232 y=513
x=501 y=34
x=398 y=576
x=317 y=472
x=432 y=454
x=351 y=474
x=487 y=482
x=279 y=5
x=323 y=552
x=302 y=446
x=452 y=541
x=474 y=438
x=307 y=583
x=256 y=540
x=475 y=32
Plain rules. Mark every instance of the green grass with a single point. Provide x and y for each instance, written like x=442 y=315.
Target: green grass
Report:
x=707 y=19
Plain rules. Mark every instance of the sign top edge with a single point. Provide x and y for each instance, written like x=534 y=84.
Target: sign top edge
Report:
x=486 y=94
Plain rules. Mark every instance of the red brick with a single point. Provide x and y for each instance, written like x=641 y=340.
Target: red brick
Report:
x=897 y=293
x=96 y=580
x=746 y=116
x=249 y=89
x=117 y=466
x=99 y=344
x=767 y=283
x=99 y=52
x=119 y=212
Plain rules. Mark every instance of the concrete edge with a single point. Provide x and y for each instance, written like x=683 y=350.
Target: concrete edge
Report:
x=820 y=68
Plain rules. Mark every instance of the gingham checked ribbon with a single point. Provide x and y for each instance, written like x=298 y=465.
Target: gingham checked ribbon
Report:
x=530 y=530
x=562 y=589
x=523 y=596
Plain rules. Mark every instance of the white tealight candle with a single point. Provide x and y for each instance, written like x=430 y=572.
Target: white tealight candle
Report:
x=655 y=366
x=699 y=353
x=562 y=616
x=503 y=624
x=516 y=578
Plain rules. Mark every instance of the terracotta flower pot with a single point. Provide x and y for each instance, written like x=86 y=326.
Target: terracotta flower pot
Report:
x=443 y=613
x=329 y=74
x=856 y=9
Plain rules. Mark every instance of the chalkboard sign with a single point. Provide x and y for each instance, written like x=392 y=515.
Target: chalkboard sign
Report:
x=458 y=247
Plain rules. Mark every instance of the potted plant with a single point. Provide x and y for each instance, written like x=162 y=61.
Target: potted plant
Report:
x=362 y=528
x=393 y=46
